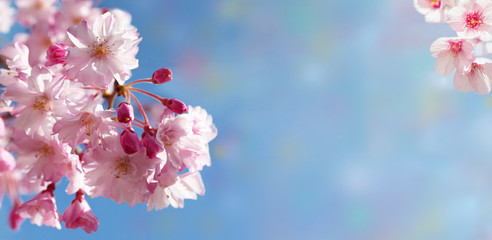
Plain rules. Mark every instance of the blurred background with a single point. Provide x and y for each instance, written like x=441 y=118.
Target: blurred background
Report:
x=332 y=125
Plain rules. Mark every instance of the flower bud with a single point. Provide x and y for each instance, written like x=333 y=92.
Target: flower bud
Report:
x=161 y=76
x=125 y=112
x=150 y=142
x=56 y=53
x=79 y=215
x=129 y=141
x=175 y=105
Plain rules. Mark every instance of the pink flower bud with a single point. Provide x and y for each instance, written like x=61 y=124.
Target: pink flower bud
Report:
x=125 y=112
x=56 y=53
x=161 y=76
x=129 y=141
x=150 y=142
x=79 y=214
x=175 y=105
x=41 y=209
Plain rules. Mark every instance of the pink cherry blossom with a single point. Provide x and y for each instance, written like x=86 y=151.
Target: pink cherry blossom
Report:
x=42 y=36
x=117 y=175
x=72 y=12
x=102 y=52
x=451 y=53
x=477 y=77
x=203 y=131
x=17 y=58
x=186 y=186
x=471 y=18
x=42 y=209
x=79 y=214
x=173 y=135
x=38 y=100
x=76 y=176
x=41 y=157
x=434 y=10
x=202 y=123
x=31 y=11
x=89 y=123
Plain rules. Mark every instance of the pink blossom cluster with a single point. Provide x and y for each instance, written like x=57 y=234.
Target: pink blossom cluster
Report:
x=60 y=83
x=465 y=53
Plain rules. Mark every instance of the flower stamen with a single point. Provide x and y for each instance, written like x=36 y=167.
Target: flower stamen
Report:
x=474 y=19
x=435 y=3
x=41 y=103
x=87 y=121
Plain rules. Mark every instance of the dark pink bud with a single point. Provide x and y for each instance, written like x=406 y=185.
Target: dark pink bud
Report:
x=175 y=105
x=79 y=195
x=50 y=188
x=150 y=142
x=56 y=53
x=161 y=76
x=125 y=112
x=129 y=141
x=15 y=220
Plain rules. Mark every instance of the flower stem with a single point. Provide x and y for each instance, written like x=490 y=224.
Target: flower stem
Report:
x=141 y=108
x=139 y=121
x=146 y=93
x=138 y=81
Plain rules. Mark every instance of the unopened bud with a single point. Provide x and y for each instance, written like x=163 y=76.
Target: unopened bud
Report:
x=129 y=141
x=56 y=53
x=149 y=141
x=161 y=76
x=125 y=112
x=175 y=105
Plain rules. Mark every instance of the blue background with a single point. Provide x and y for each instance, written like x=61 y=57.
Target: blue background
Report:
x=332 y=125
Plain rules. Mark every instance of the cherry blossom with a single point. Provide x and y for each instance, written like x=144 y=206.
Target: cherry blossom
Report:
x=451 y=53
x=79 y=214
x=61 y=81
x=117 y=175
x=102 y=52
x=477 y=77
x=38 y=100
x=471 y=18
x=31 y=11
x=42 y=209
x=89 y=123
x=434 y=10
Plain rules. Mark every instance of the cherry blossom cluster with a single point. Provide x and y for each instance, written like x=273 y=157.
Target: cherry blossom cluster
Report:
x=465 y=53
x=67 y=109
